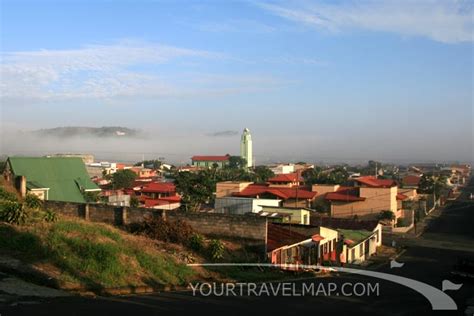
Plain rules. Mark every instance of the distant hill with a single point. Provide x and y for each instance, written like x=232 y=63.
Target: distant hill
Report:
x=75 y=131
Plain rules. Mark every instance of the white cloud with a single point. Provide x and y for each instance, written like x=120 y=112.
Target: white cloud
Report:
x=447 y=21
x=94 y=71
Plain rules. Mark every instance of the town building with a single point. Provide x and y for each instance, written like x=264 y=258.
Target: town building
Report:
x=157 y=195
x=293 y=245
x=365 y=199
x=292 y=215
x=291 y=195
x=242 y=205
x=54 y=178
x=282 y=168
x=210 y=161
x=296 y=246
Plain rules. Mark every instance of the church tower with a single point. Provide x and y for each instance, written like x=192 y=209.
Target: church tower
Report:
x=246 y=147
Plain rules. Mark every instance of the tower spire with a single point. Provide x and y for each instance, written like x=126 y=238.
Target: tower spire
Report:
x=246 y=147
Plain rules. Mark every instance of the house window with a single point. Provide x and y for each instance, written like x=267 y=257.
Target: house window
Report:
x=353 y=254
x=361 y=249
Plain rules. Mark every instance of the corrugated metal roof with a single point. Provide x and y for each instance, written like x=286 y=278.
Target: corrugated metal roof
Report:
x=64 y=176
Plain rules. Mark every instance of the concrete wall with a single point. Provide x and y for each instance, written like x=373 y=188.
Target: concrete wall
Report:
x=322 y=189
x=377 y=200
x=212 y=224
x=235 y=226
x=226 y=188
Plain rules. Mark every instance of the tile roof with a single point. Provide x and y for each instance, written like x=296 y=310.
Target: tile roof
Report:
x=374 y=182
x=288 y=177
x=173 y=198
x=152 y=202
x=401 y=197
x=254 y=190
x=411 y=180
x=210 y=158
x=345 y=194
x=317 y=237
x=278 y=236
x=355 y=236
x=159 y=187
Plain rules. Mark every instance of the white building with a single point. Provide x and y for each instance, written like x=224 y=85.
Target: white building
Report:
x=238 y=205
x=246 y=147
x=283 y=168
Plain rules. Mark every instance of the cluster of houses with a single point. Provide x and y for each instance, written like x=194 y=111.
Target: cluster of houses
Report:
x=325 y=241
x=365 y=198
x=349 y=230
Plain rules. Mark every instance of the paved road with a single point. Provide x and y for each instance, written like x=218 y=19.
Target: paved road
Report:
x=427 y=259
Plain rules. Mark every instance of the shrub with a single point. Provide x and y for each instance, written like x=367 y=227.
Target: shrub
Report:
x=196 y=242
x=14 y=213
x=50 y=216
x=91 y=197
x=216 y=249
x=402 y=222
x=33 y=202
x=386 y=215
x=7 y=196
x=134 y=202
x=171 y=231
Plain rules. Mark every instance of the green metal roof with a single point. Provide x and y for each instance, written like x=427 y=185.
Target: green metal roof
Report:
x=355 y=235
x=65 y=177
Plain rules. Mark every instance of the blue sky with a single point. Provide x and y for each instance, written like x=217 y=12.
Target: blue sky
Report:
x=316 y=80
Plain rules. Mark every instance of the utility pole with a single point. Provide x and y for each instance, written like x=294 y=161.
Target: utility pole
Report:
x=297 y=185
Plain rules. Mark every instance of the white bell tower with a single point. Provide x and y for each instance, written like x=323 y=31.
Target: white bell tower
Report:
x=246 y=147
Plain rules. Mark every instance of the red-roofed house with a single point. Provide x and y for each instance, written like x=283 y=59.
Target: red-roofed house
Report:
x=411 y=181
x=373 y=182
x=286 y=180
x=288 y=246
x=290 y=196
x=159 y=195
x=367 y=199
x=210 y=161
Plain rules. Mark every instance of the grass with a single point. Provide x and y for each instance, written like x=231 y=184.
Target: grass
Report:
x=93 y=255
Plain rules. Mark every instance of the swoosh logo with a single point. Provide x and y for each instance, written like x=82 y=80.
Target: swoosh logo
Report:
x=437 y=298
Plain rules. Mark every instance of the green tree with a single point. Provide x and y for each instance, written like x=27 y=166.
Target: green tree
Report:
x=237 y=162
x=386 y=215
x=123 y=179
x=338 y=175
x=261 y=174
x=91 y=197
x=430 y=184
x=195 y=188
x=3 y=164
x=322 y=206
x=154 y=164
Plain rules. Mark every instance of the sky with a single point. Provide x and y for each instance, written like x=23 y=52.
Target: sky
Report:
x=312 y=80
